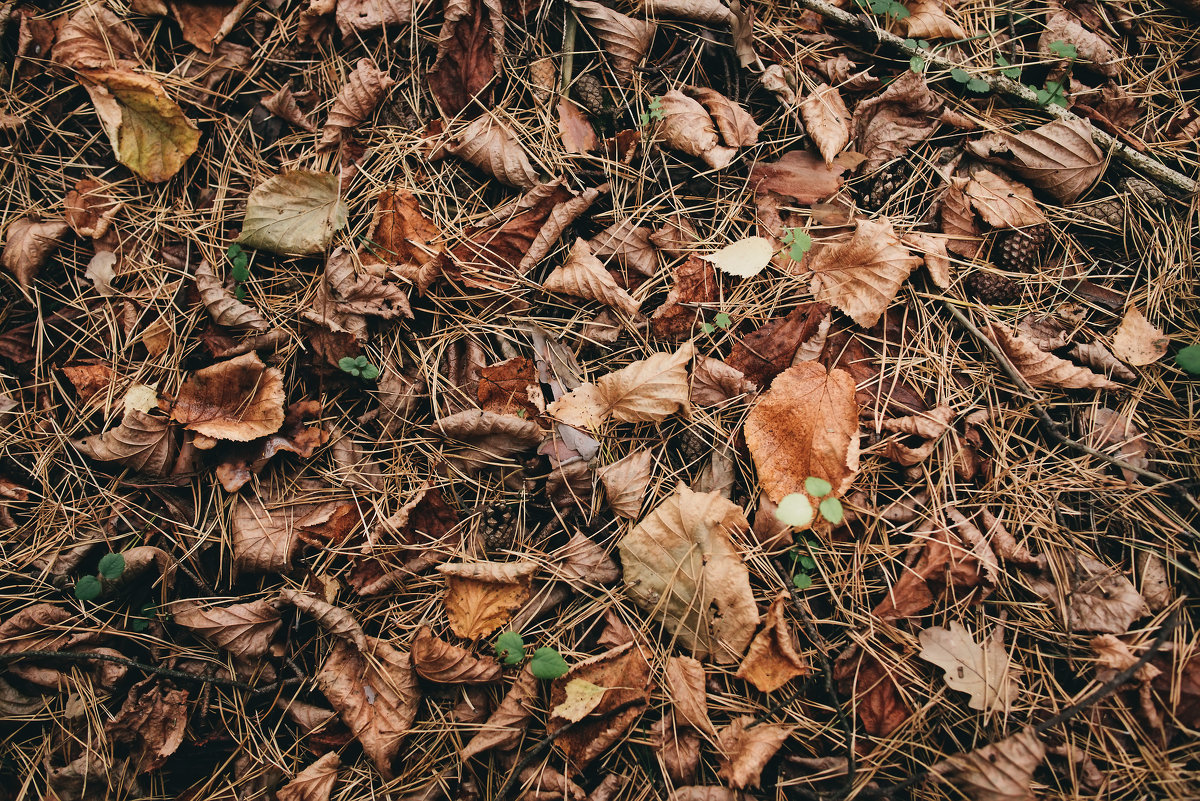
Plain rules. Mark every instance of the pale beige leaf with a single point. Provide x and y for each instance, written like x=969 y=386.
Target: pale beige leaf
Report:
x=581 y=698
x=983 y=671
x=142 y=441
x=445 y=663
x=827 y=120
x=686 y=689
x=1090 y=48
x=1156 y=588
x=704 y=793
x=481 y=596
x=148 y=130
x=1042 y=369
x=625 y=674
x=264 y=540
x=1002 y=203
x=222 y=306
x=1091 y=596
x=1059 y=157
x=888 y=125
x=284 y=106
x=1137 y=342
x=650 y=390
x=357 y=16
x=355 y=101
x=710 y=11
x=240 y=399
x=927 y=20
x=688 y=128
x=744 y=750
x=1001 y=771
x=714 y=382
x=630 y=243
x=28 y=245
x=507 y=725
x=245 y=630
x=734 y=123
x=375 y=691
x=583 y=564
x=745 y=258
x=625 y=482
x=583 y=276
x=772 y=660
x=583 y=407
x=296 y=213
x=1113 y=656
x=862 y=276
x=335 y=620
x=805 y=425
x=1107 y=430
x=937 y=260
x=488 y=438
x=489 y=144
x=682 y=567
x=314 y=783
x=625 y=39
x=1100 y=359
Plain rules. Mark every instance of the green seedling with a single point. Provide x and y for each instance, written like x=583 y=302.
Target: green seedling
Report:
x=798 y=242
x=359 y=367
x=721 y=321
x=111 y=566
x=655 y=113
x=510 y=648
x=1009 y=70
x=977 y=85
x=796 y=509
x=1055 y=92
x=802 y=565
x=547 y=663
x=87 y=588
x=239 y=268
x=916 y=63
x=142 y=622
x=887 y=8
x=1189 y=359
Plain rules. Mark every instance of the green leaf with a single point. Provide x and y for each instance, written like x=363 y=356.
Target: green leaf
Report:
x=708 y=328
x=547 y=663
x=239 y=292
x=978 y=85
x=802 y=581
x=924 y=44
x=234 y=251
x=801 y=244
x=795 y=510
x=899 y=11
x=348 y=363
x=807 y=562
x=960 y=75
x=241 y=272
x=1064 y=49
x=510 y=648
x=644 y=118
x=87 y=588
x=361 y=361
x=722 y=320
x=831 y=510
x=916 y=64
x=370 y=372
x=1189 y=359
x=817 y=487
x=138 y=624
x=910 y=43
x=112 y=565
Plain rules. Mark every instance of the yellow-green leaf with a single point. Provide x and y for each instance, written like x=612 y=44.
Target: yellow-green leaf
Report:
x=149 y=132
x=295 y=214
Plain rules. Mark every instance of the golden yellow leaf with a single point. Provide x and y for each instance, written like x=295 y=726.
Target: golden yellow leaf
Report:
x=149 y=132
x=582 y=698
x=1137 y=342
x=481 y=596
x=296 y=213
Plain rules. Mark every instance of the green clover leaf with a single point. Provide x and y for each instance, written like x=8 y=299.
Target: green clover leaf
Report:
x=510 y=648
x=111 y=566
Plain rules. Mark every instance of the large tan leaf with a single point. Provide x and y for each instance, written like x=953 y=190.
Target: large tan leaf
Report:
x=827 y=120
x=862 y=276
x=481 y=596
x=682 y=567
x=94 y=38
x=1002 y=203
x=29 y=244
x=489 y=144
x=142 y=441
x=686 y=689
x=1137 y=342
x=223 y=307
x=927 y=20
x=148 y=131
x=652 y=389
x=888 y=125
x=1042 y=369
x=356 y=100
x=983 y=671
x=356 y=16
x=240 y=399
x=1091 y=596
x=375 y=691
x=314 y=783
x=625 y=674
x=583 y=276
x=445 y=663
x=625 y=482
x=1059 y=157
x=805 y=425
x=772 y=660
x=687 y=127
x=245 y=630
x=296 y=213
x=507 y=725
x=710 y=11
x=625 y=39
x=744 y=750
x=734 y=123
x=1001 y=771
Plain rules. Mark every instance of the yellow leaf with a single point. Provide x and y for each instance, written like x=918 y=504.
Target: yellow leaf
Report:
x=744 y=258
x=149 y=132
x=582 y=698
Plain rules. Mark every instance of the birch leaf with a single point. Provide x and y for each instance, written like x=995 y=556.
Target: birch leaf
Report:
x=296 y=213
x=827 y=120
x=744 y=258
x=862 y=276
x=1137 y=342
x=148 y=131
x=983 y=671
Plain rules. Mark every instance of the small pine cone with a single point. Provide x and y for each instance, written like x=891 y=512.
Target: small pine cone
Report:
x=1020 y=250
x=884 y=183
x=991 y=288
x=544 y=77
x=1145 y=191
x=498 y=527
x=1103 y=219
x=691 y=446
x=589 y=93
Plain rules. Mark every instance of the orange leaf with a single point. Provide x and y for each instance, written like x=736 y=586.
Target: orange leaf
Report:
x=240 y=399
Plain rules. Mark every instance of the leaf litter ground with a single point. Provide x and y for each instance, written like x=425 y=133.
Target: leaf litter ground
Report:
x=318 y=544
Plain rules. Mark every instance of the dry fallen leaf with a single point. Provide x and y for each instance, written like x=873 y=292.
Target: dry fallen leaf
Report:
x=357 y=16
x=744 y=750
x=682 y=567
x=625 y=482
x=246 y=630
x=767 y=352
x=927 y=20
x=240 y=399
x=652 y=389
x=1091 y=596
x=402 y=237
x=491 y=146
x=1042 y=369
x=772 y=660
x=888 y=125
x=625 y=675
x=874 y=684
x=583 y=276
x=946 y=562
x=710 y=11
x=89 y=211
x=296 y=213
x=686 y=126
x=827 y=120
x=333 y=619
x=677 y=748
x=153 y=720
x=1137 y=341
x=144 y=442
x=283 y=104
x=1090 y=48
x=745 y=258
x=582 y=697
x=686 y=689
x=314 y=783
x=1001 y=771
x=362 y=92
x=625 y=39
x=714 y=382
x=29 y=244
x=506 y=726
x=95 y=38
x=798 y=174
x=1108 y=430
x=1002 y=203
x=1058 y=157
x=576 y=133
x=861 y=277
x=1101 y=359
x=481 y=596
x=265 y=539
x=583 y=564
x=437 y=660
x=734 y=123
x=630 y=243
x=223 y=306
x=488 y=438
x=983 y=671
x=470 y=51
x=693 y=284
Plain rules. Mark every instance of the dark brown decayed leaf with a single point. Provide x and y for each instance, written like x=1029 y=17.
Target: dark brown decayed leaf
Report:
x=470 y=46
x=335 y=620
x=874 y=685
x=153 y=720
x=945 y=563
x=507 y=724
x=437 y=660
x=769 y=351
x=693 y=283
x=625 y=39
x=626 y=675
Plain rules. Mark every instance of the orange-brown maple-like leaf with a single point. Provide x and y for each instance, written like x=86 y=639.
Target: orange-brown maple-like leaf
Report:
x=772 y=660
x=240 y=399
x=625 y=674
x=1042 y=369
x=365 y=87
x=769 y=351
x=481 y=596
x=862 y=276
x=437 y=660
x=470 y=45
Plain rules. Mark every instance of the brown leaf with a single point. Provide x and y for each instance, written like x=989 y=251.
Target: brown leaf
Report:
x=345 y=299
x=402 y=237
x=630 y=243
x=945 y=563
x=265 y=538
x=488 y=438
x=547 y=784
x=650 y=390
x=335 y=620
x=1101 y=359
x=1137 y=342
x=933 y=251
x=511 y=387
x=314 y=783
x=1001 y=771
x=1090 y=48
x=686 y=690
x=1091 y=596
x=1003 y=543
x=861 y=277
x=682 y=567
x=704 y=793
x=152 y=720
x=583 y=276
x=927 y=20
x=625 y=39
x=958 y=220
x=143 y=442
x=827 y=120
x=507 y=725
x=929 y=426
x=1113 y=656
x=805 y=425
x=437 y=660
x=888 y=125
x=744 y=750
x=89 y=211
x=770 y=350
x=489 y=144
x=245 y=630
x=296 y=435
x=576 y=133
x=375 y=691
x=224 y=308
x=240 y=399
x=1002 y=203
x=983 y=671
x=43 y=627
x=205 y=23
x=734 y=123
x=693 y=284
x=356 y=100
x=583 y=564
x=1108 y=430
x=358 y=16
x=470 y=46
x=1058 y=157
x=1042 y=369
x=677 y=237
x=95 y=38
x=29 y=244
x=710 y=11
x=625 y=674
x=772 y=660
x=874 y=685
x=283 y=105
x=678 y=749
x=687 y=127
x=714 y=382
x=798 y=174
x=481 y=596
x=625 y=482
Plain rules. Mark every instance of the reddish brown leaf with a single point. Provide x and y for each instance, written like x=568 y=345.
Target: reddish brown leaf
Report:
x=153 y=720
x=686 y=688
x=576 y=133
x=772 y=660
x=693 y=284
x=240 y=399
x=769 y=351
x=875 y=688
x=507 y=725
x=625 y=674
x=744 y=750
x=511 y=387
x=437 y=660
x=470 y=45
x=800 y=175
x=245 y=630
x=945 y=563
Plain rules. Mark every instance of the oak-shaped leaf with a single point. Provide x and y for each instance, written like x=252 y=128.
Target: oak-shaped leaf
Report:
x=687 y=127
x=506 y=726
x=1002 y=203
x=772 y=660
x=314 y=783
x=1091 y=596
x=625 y=482
x=583 y=276
x=681 y=566
x=625 y=675
x=1000 y=771
x=491 y=146
x=375 y=691
x=355 y=101
x=29 y=244
x=143 y=442
x=985 y=671
x=296 y=213
x=239 y=399
x=481 y=596
x=223 y=306
x=1042 y=369
x=1137 y=341
x=245 y=630
x=744 y=750
x=624 y=39
x=686 y=689
x=862 y=276
x=445 y=663
x=827 y=120
x=153 y=720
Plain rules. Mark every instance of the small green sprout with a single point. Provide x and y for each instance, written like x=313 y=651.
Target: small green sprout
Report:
x=1009 y=70
x=721 y=321
x=1064 y=50
x=888 y=8
x=87 y=588
x=796 y=509
x=802 y=581
x=1189 y=359
x=977 y=85
x=510 y=648
x=111 y=566
x=799 y=242
x=655 y=113
x=802 y=565
x=240 y=269
x=359 y=367
x=547 y=663
x=142 y=622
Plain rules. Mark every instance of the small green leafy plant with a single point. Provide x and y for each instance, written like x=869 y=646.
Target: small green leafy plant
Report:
x=547 y=663
x=798 y=242
x=654 y=113
x=721 y=321
x=111 y=566
x=887 y=8
x=1189 y=359
x=1055 y=92
x=796 y=509
x=977 y=85
x=803 y=564
x=359 y=367
x=916 y=63
x=510 y=648
x=240 y=268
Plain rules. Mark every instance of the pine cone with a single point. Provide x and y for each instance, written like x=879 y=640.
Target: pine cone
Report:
x=1105 y=219
x=589 y=92
x=543 y=76
x=884 y=183
x=992 y=288
x=691 y=446
x=498 y=526
x=1020 y=250
x=1145 y=191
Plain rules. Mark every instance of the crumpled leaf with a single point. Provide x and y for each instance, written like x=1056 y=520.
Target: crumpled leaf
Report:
x=958 y=219
x=1113 y=656
x=704 y=793
x=1042 y=369
x=874 y=685
x=470 y=47
x=314 y=783
x=946 y=562
x=403 y=238
x=283 y=104
x=437 y=660
x=89 y=211
x=744 y=258
x=1090 y=48
x=625 y=674
x=487 y=438
x=356 y=100
x=734 y=123
x=1101 y=359
x=583 y=276
x=29 y=244
x=805 y=425
x=265 y=538
x=861 y=277
x=772 y=660
x=345 y=299
x=143 y=442
x=511 y=387
x=375 y=691
x=767 y=352
x=481 y=596
x=153 y=720
x=625 y=39
x=933 y=251
x=204 y=23
x=333 y=619
x=693 y=284
x=1002 y=203
x=714 y=382
x=677 y=748
x=491 y=146
x=744 y=750
x=983 y=671
x=239 y=399
x=682 y=567
x=652 y=389
x=630 y=243
x=296 y=435
x=1059 y=157
x=625 y=482
x=1137 y=341
x=687 y=127
x=1091 y=596
x=1001 y=771
x=359 y=16
x=1108 y=430
x=927 y=20
x=507 y=725
x=94 y=38
x=223 y=306
x=798 y=174
x=827 y=120
x=245 y=630
x=295 y=214
x=888 y=125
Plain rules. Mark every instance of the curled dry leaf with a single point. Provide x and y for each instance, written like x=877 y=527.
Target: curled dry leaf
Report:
x=888 y=125
x=489 y=144
x=345 y=299
x=682 y=567
x=247 y=631
x=402 y=237
x=927 y=20
x=772 y=660
x=94 y=38
x=1042 y=369
x=771 y=349
x=583 y=276
x=1089 y=47
x=1091 y=596
x=583 y=564
x=335 y=620
x=29 y=244
x=687 y=127
x=1113 y=656
x=827 y=120
x=437 y=660
x=357 y=16
x=153 y=720
x=240 y=399
x=686 y=689
x=143 y=442
x=709 y=11
x=806 y=424
x=89 y=211
x=734 y=123
x=507 y=725
x=985 y=671
x=222 y=306
x=861 y=277
x=625 y=675
x=481 y=596
x=283 y=105
x=652 y=389
x=946 y=562
x=714 y=382
x=487 y=438
x=693 y=284
x=625 y=39
x=375 y=691
x=470 y=47
x=625 y=482
x=355 y=101
x=1111 y=431
x=1059 y=157
x=630 y=243
x=933 y=251
x=1137 y=342
x=874 y=684
x=744 y=750
x=265 y=539
x=1001 y=771
x=1002 y=203
x=314 y=783
x=1101 y=359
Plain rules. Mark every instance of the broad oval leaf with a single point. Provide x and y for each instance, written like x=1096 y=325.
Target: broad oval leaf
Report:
x=744 y=258
x=149 y=132
x=295 y=214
